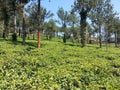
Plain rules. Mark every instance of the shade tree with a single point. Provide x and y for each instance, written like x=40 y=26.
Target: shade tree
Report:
x=63 y=21
x=83 y=7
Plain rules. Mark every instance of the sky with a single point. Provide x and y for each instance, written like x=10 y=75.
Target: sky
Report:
x=54 y=5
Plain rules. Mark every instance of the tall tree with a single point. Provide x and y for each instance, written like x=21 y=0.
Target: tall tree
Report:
x=97 y=17
x=90 y=33
x=116 y=31
x=102 y=16
x=39 y=20
x=63 y=20
x=109 y=15
x=23 y=2
x=50 y=29
x=5 y=16
x=38 y=14
x=13 y=5
x=83 y=7
x=73 y=22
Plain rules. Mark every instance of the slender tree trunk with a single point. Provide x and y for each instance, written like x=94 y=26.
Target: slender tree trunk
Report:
x=109 y=40
x=39 y=19
x=57 y=34
x=106 y=40
x=33 y=36
x=5 y=32
x=90 y=41
x=73 y=37
x=100 y=37
x=28 y=36
x=19 y=32
x=14 y=36
x=64 y=38
x=115 y=39
x=97 y=38
x=38 y=38
x=118 y=38
x=24 y=32
x=14 y=21
x=47 y=36
x=65 y=33
x=5 y=23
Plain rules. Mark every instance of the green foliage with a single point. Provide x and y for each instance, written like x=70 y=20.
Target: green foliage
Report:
x=56 y=66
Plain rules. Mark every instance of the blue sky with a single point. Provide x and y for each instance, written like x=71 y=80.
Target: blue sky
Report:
x=116 y=4
x=54 y=5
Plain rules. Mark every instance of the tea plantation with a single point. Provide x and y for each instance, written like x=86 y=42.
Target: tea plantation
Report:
x=56 y=66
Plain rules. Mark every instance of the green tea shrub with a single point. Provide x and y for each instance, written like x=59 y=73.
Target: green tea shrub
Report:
x=56 y=66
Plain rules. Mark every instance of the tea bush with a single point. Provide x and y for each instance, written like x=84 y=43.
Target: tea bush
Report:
x=56 y=66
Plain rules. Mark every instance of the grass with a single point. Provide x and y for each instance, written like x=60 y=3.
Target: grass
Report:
x=56 y=66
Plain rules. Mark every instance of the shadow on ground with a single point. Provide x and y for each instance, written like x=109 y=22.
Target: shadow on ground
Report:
x=28 y=43
x=71 y=44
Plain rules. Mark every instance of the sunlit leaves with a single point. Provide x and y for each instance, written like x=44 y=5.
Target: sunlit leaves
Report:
x=58 y=66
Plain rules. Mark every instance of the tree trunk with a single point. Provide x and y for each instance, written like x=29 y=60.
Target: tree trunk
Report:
x=5 y=24
x=118 y=38
x=33 y=36
x=100 y=37
x=39 y=13
x=24 y=32
x=28 y=36
x=83 y=15
x=38 y=39
x=115 y=39
x=5 y=32
x=90 y=41
x=14 y=36
x=107 y=40
x=64 y=38
x=19 y=32
x=14 y=22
